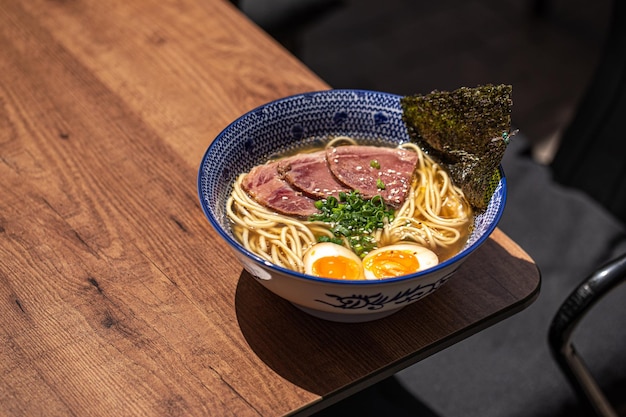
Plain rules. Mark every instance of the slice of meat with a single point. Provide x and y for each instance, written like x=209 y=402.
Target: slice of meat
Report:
x=265 y=186
x=309 y=173
x=361 y=168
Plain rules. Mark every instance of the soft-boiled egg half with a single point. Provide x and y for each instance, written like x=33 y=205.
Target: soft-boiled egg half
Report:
x=397 y=260
x=329 y=260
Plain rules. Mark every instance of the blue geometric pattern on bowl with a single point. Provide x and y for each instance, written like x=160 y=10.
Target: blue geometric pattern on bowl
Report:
x=379 y=300
x=303 y=120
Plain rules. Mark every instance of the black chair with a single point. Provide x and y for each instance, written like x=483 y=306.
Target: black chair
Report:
x=569 y=315
x=592 y=158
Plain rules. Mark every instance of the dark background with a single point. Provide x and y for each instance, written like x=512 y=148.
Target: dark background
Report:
x=409 y=46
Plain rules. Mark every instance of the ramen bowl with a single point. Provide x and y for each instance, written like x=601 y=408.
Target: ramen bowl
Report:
x=306 y=120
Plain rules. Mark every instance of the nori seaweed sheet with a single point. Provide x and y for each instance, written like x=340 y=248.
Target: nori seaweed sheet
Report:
x=466 y=131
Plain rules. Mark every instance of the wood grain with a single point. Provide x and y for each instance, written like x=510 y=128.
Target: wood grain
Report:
x=116 y=296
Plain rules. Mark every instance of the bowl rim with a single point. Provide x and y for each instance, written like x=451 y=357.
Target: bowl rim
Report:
x=295 y=274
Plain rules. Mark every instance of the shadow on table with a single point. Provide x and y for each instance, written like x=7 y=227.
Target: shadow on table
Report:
x=325 y=357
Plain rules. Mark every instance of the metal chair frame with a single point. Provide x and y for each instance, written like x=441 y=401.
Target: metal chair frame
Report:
x=571 y=312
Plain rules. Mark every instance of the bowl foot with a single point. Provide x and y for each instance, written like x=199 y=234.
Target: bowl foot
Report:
x=346 y=318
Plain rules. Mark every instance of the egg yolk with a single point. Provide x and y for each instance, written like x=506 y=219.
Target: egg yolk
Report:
x=392 y=263
x=337 y=267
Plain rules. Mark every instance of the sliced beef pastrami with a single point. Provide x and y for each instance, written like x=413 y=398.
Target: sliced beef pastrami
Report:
x=309 y=173
x=373 y=170
x=266 y=187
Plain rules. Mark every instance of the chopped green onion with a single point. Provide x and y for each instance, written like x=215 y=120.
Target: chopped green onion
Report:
x=375 y=164
x=380 y=184
x=354 y=218
x=335 y=240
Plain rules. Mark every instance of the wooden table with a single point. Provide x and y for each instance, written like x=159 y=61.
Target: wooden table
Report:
x=116 y=296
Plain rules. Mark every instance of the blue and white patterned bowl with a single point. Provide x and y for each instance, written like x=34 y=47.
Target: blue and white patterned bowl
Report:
x=305 y=119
